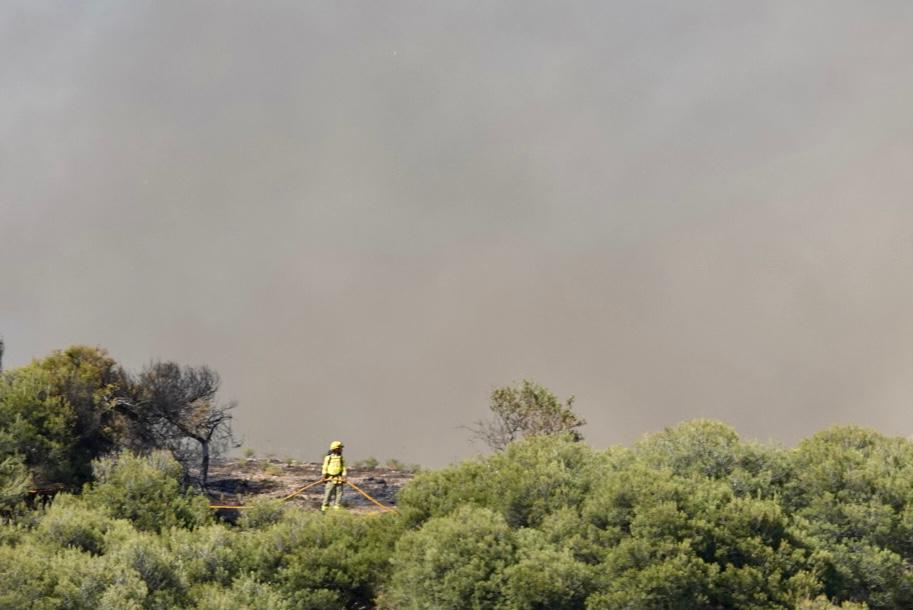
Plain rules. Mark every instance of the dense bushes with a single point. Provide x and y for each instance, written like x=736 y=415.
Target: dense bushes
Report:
x=56 y=414
x=61 y=412
x=454 y=561
x=690 y=517
x=146 y=491
x=320 y=561
x=15 y=482
x=137 y=540
x=525 y=483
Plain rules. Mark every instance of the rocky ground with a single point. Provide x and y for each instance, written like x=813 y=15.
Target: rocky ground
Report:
x=236 y=482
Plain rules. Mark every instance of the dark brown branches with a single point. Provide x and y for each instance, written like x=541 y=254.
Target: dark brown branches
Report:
x=175 y=407
x=527 y=410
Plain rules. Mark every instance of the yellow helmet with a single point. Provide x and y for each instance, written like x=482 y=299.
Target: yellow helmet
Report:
x=335 y=445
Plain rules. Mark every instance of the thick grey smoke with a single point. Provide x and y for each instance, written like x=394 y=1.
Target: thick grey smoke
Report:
x=367 y=215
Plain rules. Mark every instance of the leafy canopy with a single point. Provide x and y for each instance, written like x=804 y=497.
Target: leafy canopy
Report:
x=523 y=411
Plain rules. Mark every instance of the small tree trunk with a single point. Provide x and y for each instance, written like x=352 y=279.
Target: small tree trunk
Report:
x=204 y=466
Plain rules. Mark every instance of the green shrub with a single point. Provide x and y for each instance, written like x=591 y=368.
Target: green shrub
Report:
x=43 y=578
x=147 y=556
x=677 y=581
x=857 y=571
x=245 y=593
x=127 y=591
x=566 y=529
x=15 y=481
x=453 y=562
x=823 y=603
x=26 y=578
x=340 y=558
x=56 y=413
x=394 y=464
x=440 y=492
x=699 y=447
x=70 y=523
x=761 y=471
x=273 y=470
x=691 y=538
x=366 y=464
x=147 y=491
x=204 y=555
x=12 y=534
x=261 y=513
x=81 y=579
x=688 y=518
x=525 y=483
x=524 y=411
x=544 y=576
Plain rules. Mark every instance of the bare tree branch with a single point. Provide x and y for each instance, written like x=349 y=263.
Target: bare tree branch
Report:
x=175 y=407
x=527 y=410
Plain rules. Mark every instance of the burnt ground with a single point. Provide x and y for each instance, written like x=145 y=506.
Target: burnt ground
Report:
x=234 y=482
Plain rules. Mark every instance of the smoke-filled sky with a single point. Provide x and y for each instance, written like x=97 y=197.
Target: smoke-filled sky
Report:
x=367 y=215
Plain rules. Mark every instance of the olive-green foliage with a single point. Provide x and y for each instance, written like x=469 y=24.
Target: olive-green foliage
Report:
x=545 y=575
x=26 y=578
x=58 y=413
x=262 y=512
x=46 y=577
x=699 y=447
x=245 y=593
x=691 y=517
x=694 y=541
x=15 y=482
x=865 y=572
x=706 y=448
x=322 y=561
x=147 y=491
x=149 y=557
x=366 y=464
x=206 y=554
x=273 y=470
x=72 y=523
x=823 y=603
x=439 y=492
x=525 y=483
x=523 y=411
x=135 y=540
x=456 y=561
x=854 y=489
x=125 y=591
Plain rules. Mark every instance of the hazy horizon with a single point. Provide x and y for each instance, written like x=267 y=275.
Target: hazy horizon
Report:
x=366 y=216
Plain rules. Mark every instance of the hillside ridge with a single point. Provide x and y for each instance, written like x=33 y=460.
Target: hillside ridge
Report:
x=239 y=481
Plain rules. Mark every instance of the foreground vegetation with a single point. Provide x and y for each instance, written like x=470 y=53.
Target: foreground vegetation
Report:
x=690 y=517
x=687 y=518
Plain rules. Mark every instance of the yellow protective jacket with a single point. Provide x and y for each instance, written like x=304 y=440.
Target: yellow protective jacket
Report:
x=334 y=465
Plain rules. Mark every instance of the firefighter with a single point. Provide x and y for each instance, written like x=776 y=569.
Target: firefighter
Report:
x=334 y=471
